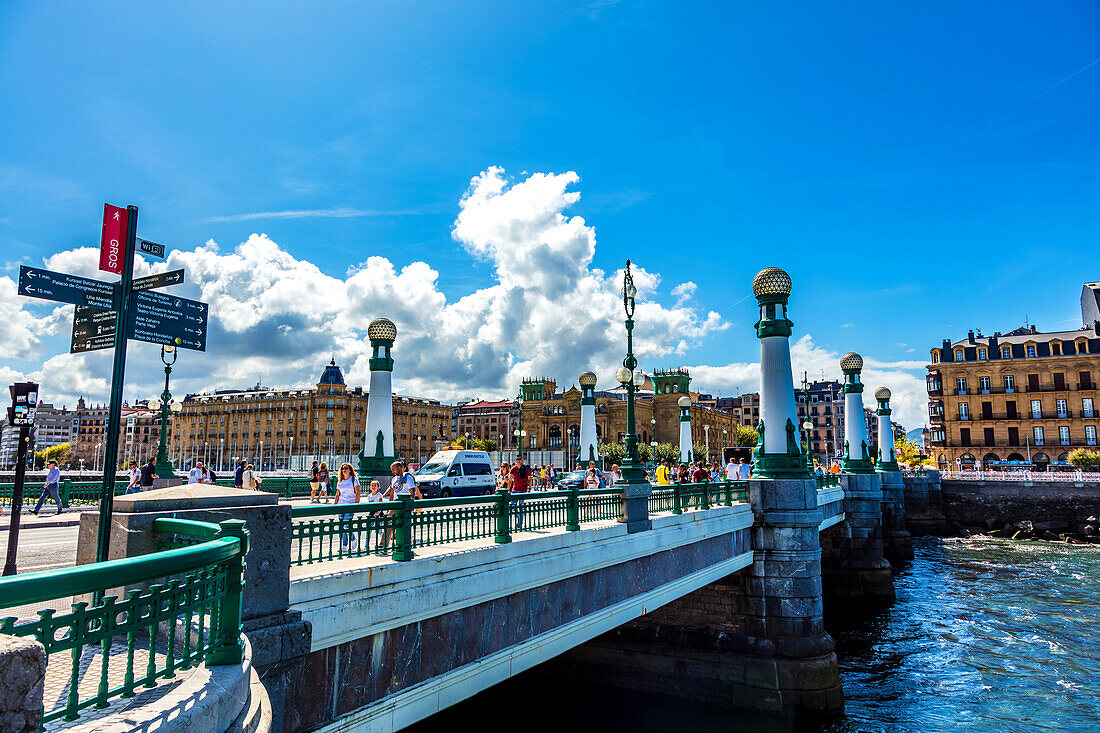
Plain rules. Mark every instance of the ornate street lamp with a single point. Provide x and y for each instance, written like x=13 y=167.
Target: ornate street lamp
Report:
x=806 y=424
x=636 y=488
x=164 y=467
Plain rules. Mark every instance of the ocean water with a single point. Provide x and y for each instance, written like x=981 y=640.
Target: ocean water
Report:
x=986 y=635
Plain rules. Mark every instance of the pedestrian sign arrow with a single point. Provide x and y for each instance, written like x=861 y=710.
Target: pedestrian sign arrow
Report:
x=49 y=285
x=93 y=329
x=168 y=320
x=160 y=280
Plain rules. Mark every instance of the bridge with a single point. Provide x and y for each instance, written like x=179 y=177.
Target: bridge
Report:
x=426 y=603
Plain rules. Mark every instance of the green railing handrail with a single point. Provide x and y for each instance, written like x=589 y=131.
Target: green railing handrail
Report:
x=46 y=585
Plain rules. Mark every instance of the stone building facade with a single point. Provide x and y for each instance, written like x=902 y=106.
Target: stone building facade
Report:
x=552 y=418
x=270 y=427
x=1024 y=396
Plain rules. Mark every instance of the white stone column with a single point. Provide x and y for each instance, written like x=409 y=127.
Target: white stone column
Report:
x=589 y=449
x=376 y=455
x=684 y=404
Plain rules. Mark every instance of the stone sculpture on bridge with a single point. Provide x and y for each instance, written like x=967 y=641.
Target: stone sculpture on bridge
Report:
x=684 y=403
x=588 y=449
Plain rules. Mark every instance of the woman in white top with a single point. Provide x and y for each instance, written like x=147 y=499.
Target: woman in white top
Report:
x=347 y=492
x=249 y=478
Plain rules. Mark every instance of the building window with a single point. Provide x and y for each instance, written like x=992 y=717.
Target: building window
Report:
x=964 y=411
x=1036 y=409
x=959 y=355
x=1006 y=352
x=1031 y=351
x=1010 y=383
x=1086 y=407
x=1062 y=408
x=983 y=383
x=981 y=354
x=935 y=357
x=960 y=385
x=1090 y=434
x=1063 y=435
x=1038 y=433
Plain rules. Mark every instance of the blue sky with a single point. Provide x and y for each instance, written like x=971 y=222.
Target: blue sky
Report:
x=918 y=170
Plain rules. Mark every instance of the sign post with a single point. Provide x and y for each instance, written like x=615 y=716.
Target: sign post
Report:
x=24 y=399
x=114 y=410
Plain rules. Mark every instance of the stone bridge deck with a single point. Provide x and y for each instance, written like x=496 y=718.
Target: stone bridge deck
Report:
x=393 y=643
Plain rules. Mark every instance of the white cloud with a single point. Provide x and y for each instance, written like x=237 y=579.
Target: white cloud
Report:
x=549 y=311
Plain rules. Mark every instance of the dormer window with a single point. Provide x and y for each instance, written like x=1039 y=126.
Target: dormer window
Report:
x=981 y=354
x=1031 y=350
x=959 y=355
x=1006 y=352
x=935 y=357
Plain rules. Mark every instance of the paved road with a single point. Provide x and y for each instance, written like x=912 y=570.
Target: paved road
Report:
x=43 y=548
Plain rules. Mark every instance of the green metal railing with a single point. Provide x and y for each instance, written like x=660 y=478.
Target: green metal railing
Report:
x=828 y=481
x=72 y=493
x=181 y=608
x=398 y=528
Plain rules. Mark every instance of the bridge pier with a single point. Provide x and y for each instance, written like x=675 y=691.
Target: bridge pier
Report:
x=854 y=565
x=897 y=544
x=924 y=505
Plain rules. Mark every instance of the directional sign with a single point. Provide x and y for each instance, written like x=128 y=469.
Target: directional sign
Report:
x=50 y=285
x=152 y=249
x=113 y=244
x=159 y=318
x=93 y=329
x=160 y=280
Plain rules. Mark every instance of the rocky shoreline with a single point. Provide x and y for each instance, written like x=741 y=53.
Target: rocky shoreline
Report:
x=1084 y=533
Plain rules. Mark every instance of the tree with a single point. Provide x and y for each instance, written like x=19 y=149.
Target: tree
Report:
x=745 y=436
x=668 y=452
x=612 y=453
x=1084 y=459
x=908 y=452
x=57 y=453
x=698 y=452
x=485 y=444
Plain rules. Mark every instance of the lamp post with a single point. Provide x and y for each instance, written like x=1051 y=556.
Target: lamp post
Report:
x=221 y=447
x=807 y=425
x=706 y=440
x=164 y=467
x=636 y=489
x=519 y=425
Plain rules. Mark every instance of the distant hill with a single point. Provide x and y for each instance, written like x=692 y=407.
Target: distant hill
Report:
x=914 y=434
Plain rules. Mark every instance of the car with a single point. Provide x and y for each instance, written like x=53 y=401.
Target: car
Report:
x=456 y=473
x=572 y=480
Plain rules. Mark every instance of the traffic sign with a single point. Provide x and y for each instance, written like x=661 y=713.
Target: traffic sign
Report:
x=160 y=280
x=152 y=249
x=93 y=329
x=168 y=320
x=112 y=247
x=24 y=403
x=50 y=285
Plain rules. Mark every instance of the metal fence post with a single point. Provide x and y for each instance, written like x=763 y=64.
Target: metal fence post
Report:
x=504 y=531
x=705 y=503
x=729 y=492
x=402 y=546
x=66 y=487
x=229 y=648
x=573 y=510
x=288 y=487
x=677 y=500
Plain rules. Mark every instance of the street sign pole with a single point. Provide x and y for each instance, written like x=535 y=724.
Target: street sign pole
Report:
x=17 y=500
x=114 y=411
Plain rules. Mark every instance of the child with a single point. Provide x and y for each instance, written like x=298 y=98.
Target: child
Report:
x=376 y=495
x=591 y=481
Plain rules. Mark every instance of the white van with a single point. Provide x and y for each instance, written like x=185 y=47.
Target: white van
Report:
x=457 y=473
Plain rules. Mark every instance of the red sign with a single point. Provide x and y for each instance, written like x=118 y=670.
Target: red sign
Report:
x=112 y=248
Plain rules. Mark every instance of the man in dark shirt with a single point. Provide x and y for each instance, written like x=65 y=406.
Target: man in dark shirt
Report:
x=700 y=475
x=148 y=473
x=521 y=479
x=238 y=476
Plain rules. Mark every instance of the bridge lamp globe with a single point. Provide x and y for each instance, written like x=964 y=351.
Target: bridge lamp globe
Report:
x=639 y=379
x=622 y=376
x=807 y=425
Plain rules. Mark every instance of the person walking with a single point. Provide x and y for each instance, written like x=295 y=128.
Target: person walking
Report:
x=521 y=478
x=347 y=492
x=135 y=479
x=732 y=471
x=238 y=476
x=700 y=475
x=148 y=474
x=615 y=476
x=314 y=482
x=551 y=476
x=322 y=482
x=599 y=474
x=53 y=477
x=198 y=474
x=662 y=473
x=742 y=470
x=250 y=479
x=591 y=480
x=503 y=476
